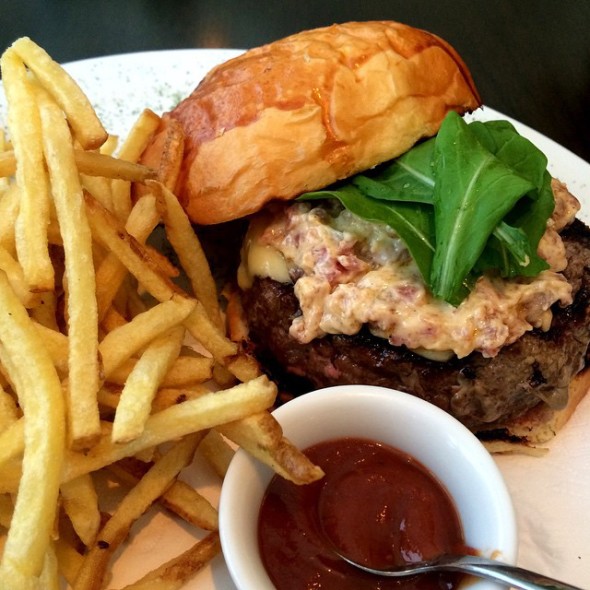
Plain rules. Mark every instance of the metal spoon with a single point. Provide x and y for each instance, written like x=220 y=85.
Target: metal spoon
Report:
x=471 y=564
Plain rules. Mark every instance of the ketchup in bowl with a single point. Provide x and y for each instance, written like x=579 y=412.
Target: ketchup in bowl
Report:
x=376 y=504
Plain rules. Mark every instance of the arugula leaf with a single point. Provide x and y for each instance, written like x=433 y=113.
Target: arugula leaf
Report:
x=407 y=178
x=509 y=252
x=413 y=222
x=475 y=198
x=473 y=193
x=530 y=214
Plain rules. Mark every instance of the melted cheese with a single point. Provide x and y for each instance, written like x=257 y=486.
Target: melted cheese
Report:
x=348 y=273
x=260 y=260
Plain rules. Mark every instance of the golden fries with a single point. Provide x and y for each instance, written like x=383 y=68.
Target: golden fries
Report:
x=88 y=129
x=131 y=151
x=176 y=572
x=39 y=391
x=261 y=435
x=33 y=218
x=91 y=164
x=202 y=413
x=142 y=384
x=180 y=498
x=82 y=316
x=80 y=503
x=217 y=452
x=108 y=368
x=188 y=248
x=118 y=345
x=148 y=490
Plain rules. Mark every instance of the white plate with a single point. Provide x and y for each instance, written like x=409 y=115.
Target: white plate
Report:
x=551 y=494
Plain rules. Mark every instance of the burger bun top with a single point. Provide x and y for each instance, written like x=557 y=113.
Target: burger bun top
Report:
x=303 y=112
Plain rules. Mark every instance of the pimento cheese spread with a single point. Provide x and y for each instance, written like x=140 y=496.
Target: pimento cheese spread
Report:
x=348 y=272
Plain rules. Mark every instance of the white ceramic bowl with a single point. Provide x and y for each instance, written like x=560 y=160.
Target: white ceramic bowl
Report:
x=442 y=444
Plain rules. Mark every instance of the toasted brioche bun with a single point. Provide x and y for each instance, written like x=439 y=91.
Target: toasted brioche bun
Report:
x=308 y=110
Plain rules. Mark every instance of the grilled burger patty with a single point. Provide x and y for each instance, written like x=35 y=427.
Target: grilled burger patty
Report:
x=483 y=393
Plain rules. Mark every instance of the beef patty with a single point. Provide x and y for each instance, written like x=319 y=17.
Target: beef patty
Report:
x=483 y=393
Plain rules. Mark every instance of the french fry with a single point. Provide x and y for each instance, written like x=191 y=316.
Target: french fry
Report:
x=69 y=560
x=167 y=397
x=25 y=129
x=35 y=507
x=243 y=366
x=140 y=388
x=9 y=412
x=188 y=370
x=108 y=231
x=143 y=218
x=137 y=260
x=175 y=573
x=80 y=503
x=262 y=436
x=208 y=334
x=87 y=127
x=16 y=278
x=135 y=503
x=10 y=476
x=100 y=188
x=97 y=164
x=111 y=273
x=204 y=412
x=217 y=452
x=7 y=163
x=12 y=441
x=9 y=209
x=165 y=265
x=83 y=376
x=57 y=346
x=185 y=371
x=91 y=164
x=237 y=324
x=49 y=579
x=188 y=248
x=120 y=344
x=108 y=400
x=113 y=320
x=4 y=148
x=109 y=147
x=179 y=498
x=131 y=151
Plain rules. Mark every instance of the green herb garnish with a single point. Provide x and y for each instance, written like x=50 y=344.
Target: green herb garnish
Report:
x=473 y=199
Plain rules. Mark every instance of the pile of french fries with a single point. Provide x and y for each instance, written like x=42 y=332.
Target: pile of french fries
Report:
x=106 y=364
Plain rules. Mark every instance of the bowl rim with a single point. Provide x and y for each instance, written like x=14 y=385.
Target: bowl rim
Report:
x=246 y=473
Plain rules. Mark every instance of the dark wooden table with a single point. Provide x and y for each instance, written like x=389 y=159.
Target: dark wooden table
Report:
x=530 y=58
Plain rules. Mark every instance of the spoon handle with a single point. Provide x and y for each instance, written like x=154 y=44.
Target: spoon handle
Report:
x=516 y=577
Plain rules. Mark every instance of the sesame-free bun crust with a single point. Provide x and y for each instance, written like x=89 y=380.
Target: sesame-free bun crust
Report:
x=308 y=110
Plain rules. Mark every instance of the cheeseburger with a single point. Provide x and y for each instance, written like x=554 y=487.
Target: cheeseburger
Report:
x=390 y=242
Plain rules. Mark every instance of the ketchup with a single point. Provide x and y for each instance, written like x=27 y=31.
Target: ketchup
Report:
x=376 y=504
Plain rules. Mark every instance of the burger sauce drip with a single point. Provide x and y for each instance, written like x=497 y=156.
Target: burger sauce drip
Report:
x=376 y=504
